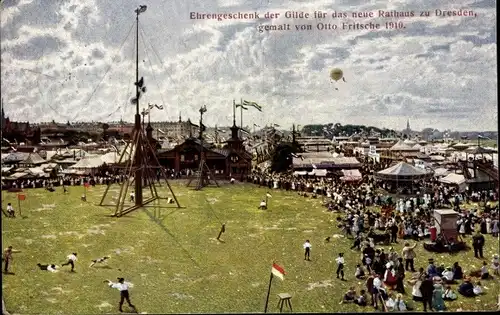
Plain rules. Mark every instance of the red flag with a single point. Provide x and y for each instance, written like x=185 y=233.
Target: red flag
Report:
x=21 y=197
x=86 y=185
x=278 y=271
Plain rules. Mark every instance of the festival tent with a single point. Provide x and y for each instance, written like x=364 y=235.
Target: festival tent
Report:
x=401 y=146
x=33 y=159
x=402 y=172
x=409 y=142
x=461 y=146
x=89 y=163
x=479 y=150
x=438 y=172
x=452 y=178
x=456 y=180
x=351 y=175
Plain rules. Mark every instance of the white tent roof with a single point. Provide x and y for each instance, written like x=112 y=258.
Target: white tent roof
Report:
x=403 y=169
x=401 y=146
x=319 y=172
x=89 y=162
x=351 y=175
x=440 y=172
x=453 y=178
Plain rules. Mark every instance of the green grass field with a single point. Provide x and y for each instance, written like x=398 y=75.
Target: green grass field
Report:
x=178 y=266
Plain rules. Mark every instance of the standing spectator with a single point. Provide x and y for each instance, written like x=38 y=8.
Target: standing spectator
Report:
x=478 y=244
x=307 y=250
x=427 y=290
x=7 y=258
x=394 y=233
x=437 y=298
x=400 y=275
x=408 y=254
x=340 y=265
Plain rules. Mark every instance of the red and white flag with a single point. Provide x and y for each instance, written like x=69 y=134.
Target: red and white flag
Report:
x=278 y=271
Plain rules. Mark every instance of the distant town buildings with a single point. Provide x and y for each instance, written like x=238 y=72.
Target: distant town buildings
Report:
x=175 y=129
x=19 y=132
x=408 y=132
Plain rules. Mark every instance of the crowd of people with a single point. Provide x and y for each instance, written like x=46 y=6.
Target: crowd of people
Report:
x=406 y=220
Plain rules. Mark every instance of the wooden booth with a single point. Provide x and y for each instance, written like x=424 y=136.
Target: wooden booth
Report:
x=446 y=223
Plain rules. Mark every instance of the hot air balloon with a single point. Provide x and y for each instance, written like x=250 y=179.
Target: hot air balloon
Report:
x=336 y=74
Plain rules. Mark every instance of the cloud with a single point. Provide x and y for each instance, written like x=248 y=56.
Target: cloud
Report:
x=37 y=47
x=71 y=59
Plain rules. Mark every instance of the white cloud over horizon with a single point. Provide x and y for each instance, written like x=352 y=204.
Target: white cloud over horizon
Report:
x=63 y=60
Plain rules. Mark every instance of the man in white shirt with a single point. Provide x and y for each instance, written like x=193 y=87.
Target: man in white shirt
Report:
x=10 y=210
x=71 y=261
x=122 y=286
x=263 y=205
x=340 y=266
x=448 y=275
x=307 y=250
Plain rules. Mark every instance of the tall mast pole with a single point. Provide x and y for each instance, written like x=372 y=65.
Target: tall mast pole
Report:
x=234 y=113
x=138 y=149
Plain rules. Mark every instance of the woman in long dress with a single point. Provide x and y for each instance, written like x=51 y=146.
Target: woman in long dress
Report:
x=437 y=298
x=461 y=229
x=494 y=227
x=488 y=225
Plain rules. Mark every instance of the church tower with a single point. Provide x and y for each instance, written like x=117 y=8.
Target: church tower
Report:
x=235 y=143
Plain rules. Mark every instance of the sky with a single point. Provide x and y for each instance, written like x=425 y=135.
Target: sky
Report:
x=74 y=60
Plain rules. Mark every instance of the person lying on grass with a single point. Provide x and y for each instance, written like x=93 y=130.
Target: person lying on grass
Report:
x=51 y=267
x=99 y=261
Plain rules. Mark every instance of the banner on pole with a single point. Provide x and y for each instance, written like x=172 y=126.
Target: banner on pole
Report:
x=278 y=271
x=21 y=197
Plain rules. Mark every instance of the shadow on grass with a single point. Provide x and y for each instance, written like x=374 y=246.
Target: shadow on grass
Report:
x=164 y=228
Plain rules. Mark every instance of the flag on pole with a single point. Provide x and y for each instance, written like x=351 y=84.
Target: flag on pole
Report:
x=86 y=185
x=21 y=197
x=242 y=107
x=253 y=104
x=255 y=125
x=278 y=271
x=276 y=125
x=160 y=107
x=269 y=195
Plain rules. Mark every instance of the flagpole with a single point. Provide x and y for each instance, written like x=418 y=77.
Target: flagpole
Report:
x=268 y=292
x=234 y=112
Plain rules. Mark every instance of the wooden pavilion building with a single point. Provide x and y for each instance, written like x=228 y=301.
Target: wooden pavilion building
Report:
x=232 y=160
